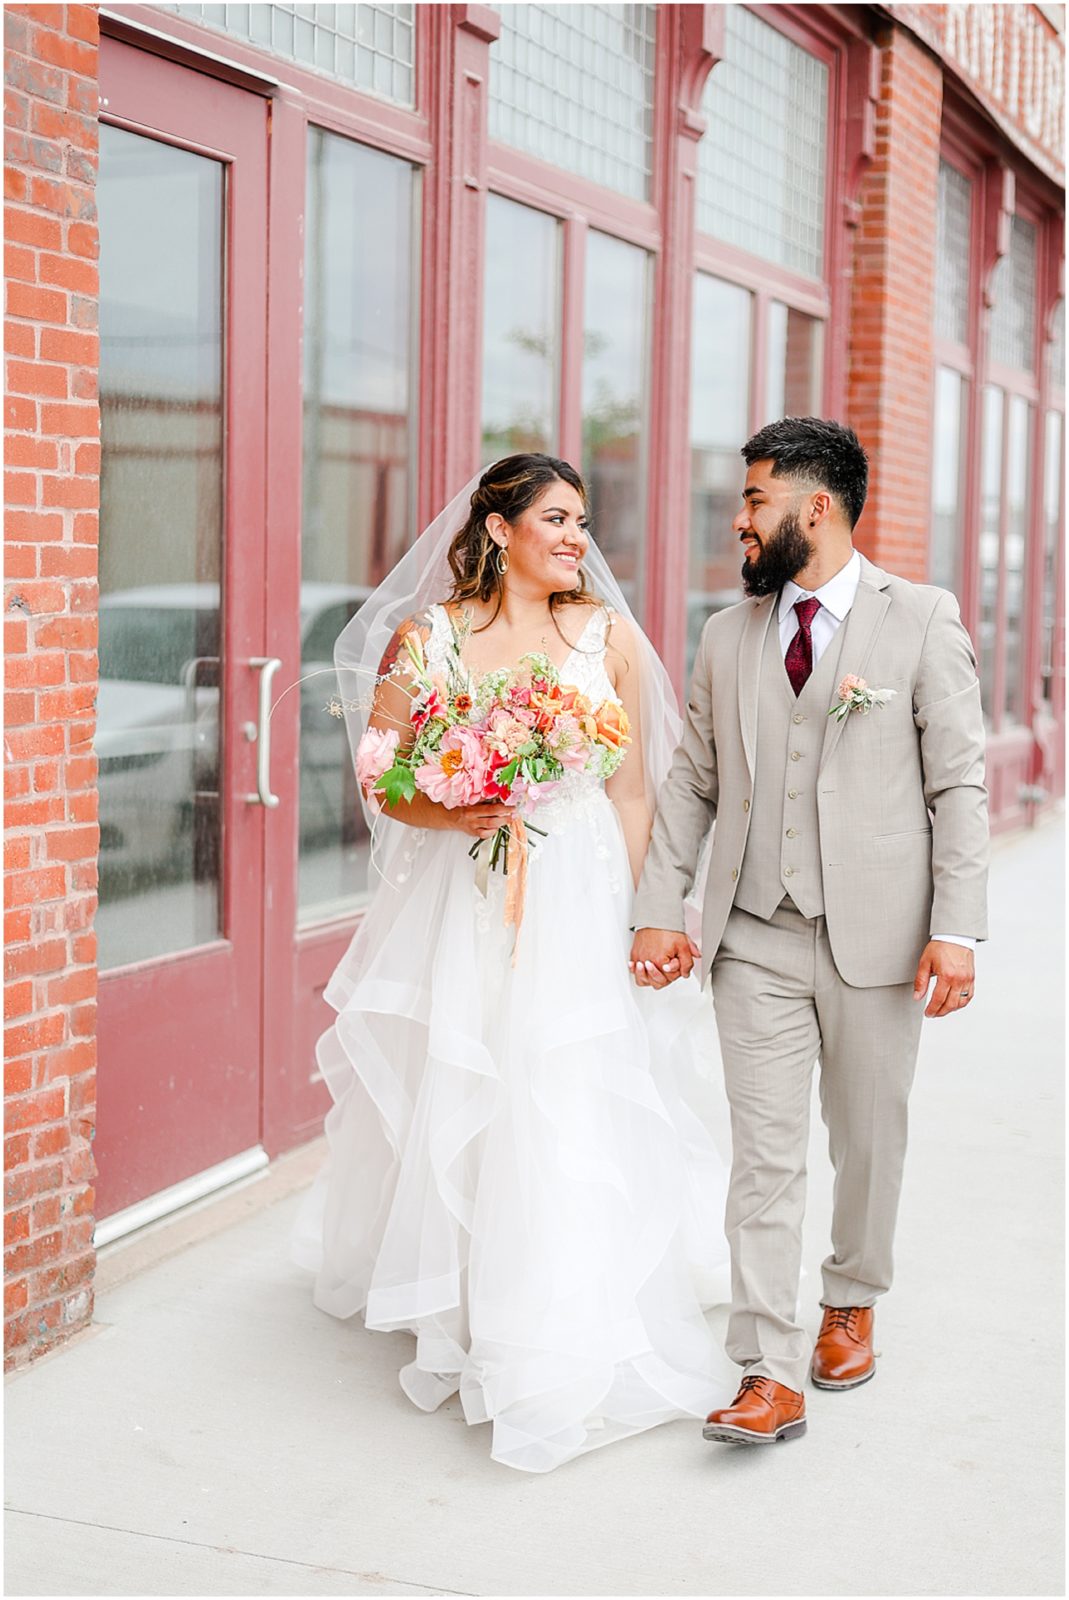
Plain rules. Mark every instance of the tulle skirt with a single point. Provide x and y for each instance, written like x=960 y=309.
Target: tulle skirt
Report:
x=520 y=1172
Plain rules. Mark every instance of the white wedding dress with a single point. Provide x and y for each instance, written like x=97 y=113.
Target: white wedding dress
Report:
x=518 y=1173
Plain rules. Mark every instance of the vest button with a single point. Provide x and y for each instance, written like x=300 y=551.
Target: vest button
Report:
x=734 y=873
x=797 y=717
x=792 y=833
x=788 y=872
x=796 y=755
x=792 y=794
x=746 y=805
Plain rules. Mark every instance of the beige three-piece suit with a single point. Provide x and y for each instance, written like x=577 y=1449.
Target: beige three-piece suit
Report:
x=839 y=848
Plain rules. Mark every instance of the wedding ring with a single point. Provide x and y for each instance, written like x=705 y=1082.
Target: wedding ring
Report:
x=965 y=993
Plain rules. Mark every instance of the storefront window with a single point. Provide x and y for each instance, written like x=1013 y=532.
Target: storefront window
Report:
x=359 y=453
x=948 y=466
x=521 y=337
x=990 y=513
x=615 y=365
x=763 y=160
x=370 y=47
x=720 y=406
x=1018 y=476
x=1053 y=479
x=573 y=85
x=162 y=536
x=794 y=344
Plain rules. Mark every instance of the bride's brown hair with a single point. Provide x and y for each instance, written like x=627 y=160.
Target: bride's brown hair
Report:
x=509 y=487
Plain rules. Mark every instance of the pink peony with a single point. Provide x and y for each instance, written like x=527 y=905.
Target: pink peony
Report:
x=374 y=755
x=456 y=773
x=849 y=685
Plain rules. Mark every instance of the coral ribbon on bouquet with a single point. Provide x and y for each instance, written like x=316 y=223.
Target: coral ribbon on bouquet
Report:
x=516 y=880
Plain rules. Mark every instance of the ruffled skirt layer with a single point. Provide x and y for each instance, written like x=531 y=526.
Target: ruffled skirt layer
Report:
x=518 y=1173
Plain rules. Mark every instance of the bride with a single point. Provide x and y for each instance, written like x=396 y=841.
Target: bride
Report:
x=518 y=1171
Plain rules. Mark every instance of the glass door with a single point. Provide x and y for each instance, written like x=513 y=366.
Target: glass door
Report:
x=182 y=735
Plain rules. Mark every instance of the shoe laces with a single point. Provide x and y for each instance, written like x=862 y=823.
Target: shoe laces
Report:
x=756 y=1381
x=841 y=1317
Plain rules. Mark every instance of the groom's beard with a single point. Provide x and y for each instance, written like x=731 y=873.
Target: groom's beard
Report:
x=783 y=555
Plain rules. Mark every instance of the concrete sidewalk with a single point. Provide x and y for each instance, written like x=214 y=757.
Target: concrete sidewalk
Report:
x=216 y=1435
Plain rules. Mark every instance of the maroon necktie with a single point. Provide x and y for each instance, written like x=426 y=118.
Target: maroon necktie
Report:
x=799 y=657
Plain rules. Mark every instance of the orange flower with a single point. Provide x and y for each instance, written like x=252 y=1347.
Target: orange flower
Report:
x=452 y=761
x=571 y=700
x=462 y=703
x=612 y=725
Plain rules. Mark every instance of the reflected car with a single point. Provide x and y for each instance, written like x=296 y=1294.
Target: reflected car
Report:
x=157 y=739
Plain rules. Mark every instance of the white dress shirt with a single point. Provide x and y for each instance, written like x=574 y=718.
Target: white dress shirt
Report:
x=836 y=597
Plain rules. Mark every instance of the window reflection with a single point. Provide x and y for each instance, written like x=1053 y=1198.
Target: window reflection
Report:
x=794 y=368
x=161 y=534
x=951 y=390
x=990 y=510
x=1018 y=472
x=359 y=442
x=615 y=345
x=1053 y=480
x=521 y=341
x=720 y=403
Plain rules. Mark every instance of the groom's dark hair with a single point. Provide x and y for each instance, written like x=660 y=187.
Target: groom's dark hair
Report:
x=816 y=451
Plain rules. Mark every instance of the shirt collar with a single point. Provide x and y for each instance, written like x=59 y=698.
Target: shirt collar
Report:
x=836 y=596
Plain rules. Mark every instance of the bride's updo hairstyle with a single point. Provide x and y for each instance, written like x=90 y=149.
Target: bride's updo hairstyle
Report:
x=509 y=487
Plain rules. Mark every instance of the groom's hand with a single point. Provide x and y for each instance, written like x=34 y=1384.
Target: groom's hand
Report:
x=954 y=970
x=659 y=956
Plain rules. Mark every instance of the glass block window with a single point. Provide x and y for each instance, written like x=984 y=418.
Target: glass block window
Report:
x=573 y=85
x=952 y=255
x=763 y=161
x=1013 y=316
x=371 y=47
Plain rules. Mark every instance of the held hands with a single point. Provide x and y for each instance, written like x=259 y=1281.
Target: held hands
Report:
x=659 y=956
x=954 y=970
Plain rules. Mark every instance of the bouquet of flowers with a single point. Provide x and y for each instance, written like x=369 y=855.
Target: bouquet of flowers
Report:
x=510 y=736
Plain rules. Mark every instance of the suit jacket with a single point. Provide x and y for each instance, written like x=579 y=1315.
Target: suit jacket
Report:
x=902 y=806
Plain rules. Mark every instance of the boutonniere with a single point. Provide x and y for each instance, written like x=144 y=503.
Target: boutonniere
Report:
x=855 y=695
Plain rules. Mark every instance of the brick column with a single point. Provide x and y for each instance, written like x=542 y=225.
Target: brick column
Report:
x=52 y=436
x=889 y=386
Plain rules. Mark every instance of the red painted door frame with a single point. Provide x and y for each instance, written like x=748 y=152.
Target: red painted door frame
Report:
x=179 y=1036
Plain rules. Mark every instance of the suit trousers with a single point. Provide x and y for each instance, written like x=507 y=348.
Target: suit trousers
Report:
x=780 y=1003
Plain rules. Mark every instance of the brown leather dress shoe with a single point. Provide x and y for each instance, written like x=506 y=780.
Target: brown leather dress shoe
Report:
x=844 y=1357
x=762 y=1412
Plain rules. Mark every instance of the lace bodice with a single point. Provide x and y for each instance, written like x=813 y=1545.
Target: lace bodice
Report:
x=583 y=668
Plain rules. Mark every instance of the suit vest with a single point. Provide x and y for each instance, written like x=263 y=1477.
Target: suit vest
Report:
x=783 y=844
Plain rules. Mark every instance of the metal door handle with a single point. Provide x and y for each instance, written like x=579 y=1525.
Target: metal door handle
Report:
x=268 y=666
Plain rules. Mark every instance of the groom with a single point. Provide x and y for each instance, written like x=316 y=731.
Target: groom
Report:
x=848 y=871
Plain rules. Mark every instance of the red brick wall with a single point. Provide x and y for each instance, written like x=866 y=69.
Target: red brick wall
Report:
x=893 y=307
x=52 y=447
